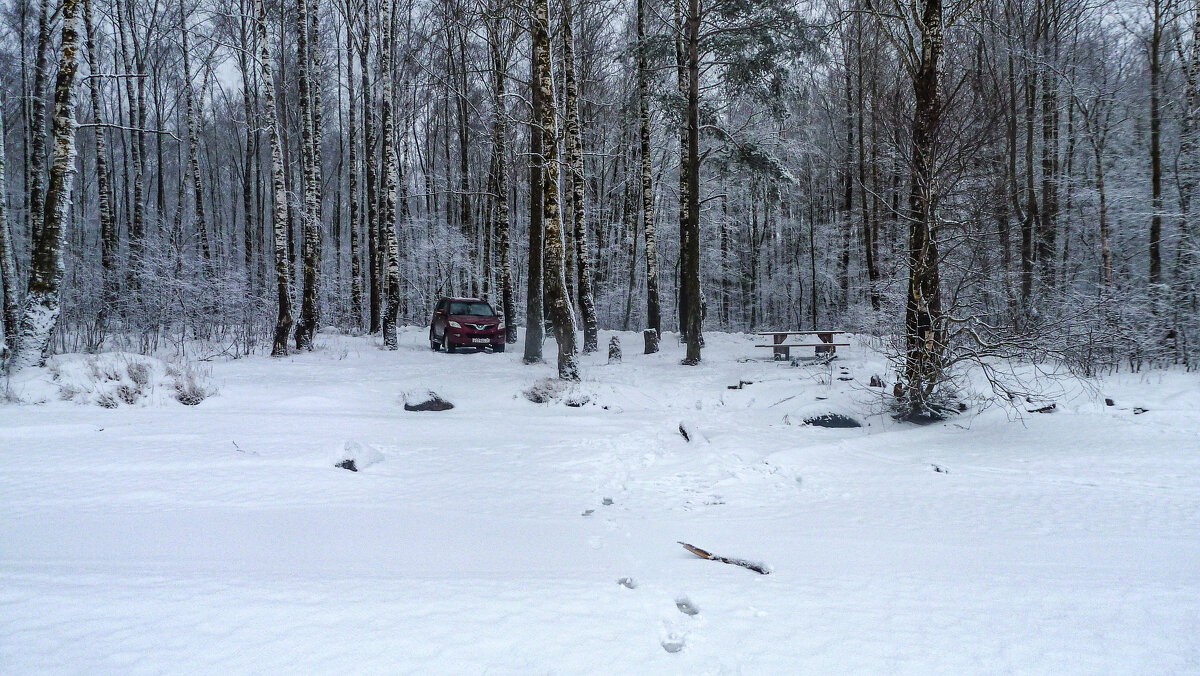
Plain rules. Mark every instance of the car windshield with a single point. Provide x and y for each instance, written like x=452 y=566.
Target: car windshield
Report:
x=476 y=309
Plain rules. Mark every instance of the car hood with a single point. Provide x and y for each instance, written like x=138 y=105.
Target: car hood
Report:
x=476 y=319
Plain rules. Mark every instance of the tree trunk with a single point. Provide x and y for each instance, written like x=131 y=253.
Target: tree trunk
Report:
x=356 y=300
x=653 y=311
x=535 y=326
x=691 y=270
x=283 y=322
x=1155 y=58
x=370 y=160
x=37 y=129
x=310 y=216
x=42 y=302
x=681 y=76
x=108 y=228
x=924 y=325
x=390 y=168
x=556 y=283
x=500 y=182
x=8 y=266
x=574 y=164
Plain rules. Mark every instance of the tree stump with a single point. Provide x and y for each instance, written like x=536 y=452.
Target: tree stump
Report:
x=651 y=337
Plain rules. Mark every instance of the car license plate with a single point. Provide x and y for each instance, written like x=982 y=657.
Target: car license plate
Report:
x=480 y=340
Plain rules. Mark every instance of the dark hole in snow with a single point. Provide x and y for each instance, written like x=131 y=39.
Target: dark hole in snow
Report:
x=1049 y=408
x=1138 y=410
x=1109 y=402
x=922 y=417
x=835 y=420
x=348 y=464
x=430 y=402
x=684 y=433
x=606 y=501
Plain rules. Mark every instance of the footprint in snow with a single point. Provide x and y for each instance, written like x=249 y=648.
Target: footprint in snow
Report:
x=685 y=606
x=673 y=642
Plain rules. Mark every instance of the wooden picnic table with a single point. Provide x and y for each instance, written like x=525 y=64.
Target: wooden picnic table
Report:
x=782 y=349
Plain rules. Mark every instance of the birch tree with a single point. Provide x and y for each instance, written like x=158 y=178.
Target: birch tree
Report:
x=42 y=299
x=574 y=165
x=283 y=282
x=556 y=284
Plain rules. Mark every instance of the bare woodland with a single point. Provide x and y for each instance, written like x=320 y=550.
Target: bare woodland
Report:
x=967 y=180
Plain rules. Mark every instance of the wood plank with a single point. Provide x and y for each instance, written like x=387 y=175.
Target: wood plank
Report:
x=794 y=333
x=805 y=345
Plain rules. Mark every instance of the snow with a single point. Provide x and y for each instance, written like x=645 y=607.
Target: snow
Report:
x=509 y=537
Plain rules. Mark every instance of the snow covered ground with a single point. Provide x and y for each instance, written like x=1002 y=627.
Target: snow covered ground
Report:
x=220 y=538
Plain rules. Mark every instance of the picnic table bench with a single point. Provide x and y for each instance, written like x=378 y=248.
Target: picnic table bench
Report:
x=782 y=348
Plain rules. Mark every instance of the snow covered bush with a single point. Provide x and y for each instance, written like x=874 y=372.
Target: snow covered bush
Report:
x=112 y=380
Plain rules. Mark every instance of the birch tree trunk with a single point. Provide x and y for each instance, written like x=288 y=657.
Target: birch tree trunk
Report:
x=134 y=90
x=1186 y=299
x=108 y=228
x=310 y=217
x=193 y=144
x=390 y=168
x=535 y=327
x=369 y=159
x=574 y=163
x=37 y=124
x=8 y=266
x=356 y=300
x=556 y=283
x=500 y=181
x=653 y=311
x=279 y=226
x=42 y=301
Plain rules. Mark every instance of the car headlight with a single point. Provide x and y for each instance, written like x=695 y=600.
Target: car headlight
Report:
x=455 y=325
x=500 y=325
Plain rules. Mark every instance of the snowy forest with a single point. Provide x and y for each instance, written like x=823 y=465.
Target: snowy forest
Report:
x=988 y=178
x=599 y=336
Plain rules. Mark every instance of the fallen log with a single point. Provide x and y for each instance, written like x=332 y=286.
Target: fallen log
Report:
x=756 y=567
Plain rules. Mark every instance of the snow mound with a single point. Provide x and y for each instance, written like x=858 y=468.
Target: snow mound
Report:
x=553 y=390
x=356 y=457
x=112 y=380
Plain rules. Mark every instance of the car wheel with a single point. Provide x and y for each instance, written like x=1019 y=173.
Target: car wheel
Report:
x=446 y=346
x=433 y=343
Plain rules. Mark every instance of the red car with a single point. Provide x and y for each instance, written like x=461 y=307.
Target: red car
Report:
x=465 y=322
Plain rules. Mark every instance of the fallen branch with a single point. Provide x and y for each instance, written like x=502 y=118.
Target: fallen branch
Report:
x=756 y=567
